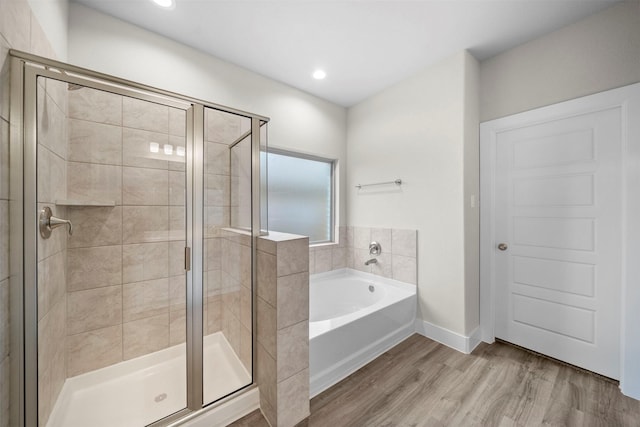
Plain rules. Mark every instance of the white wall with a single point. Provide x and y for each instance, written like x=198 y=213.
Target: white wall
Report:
x=423 y=130
x=52 y=16
x=471 y=194
x=299 y=121
x=415 y=131
x=598 y=53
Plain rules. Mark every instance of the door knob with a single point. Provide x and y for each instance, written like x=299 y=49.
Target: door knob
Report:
x=502 y=246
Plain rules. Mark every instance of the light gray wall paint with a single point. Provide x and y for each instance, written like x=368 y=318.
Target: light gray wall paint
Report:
x=471 y=194
x=596 y=54
x=416 y=131
x=420 y=130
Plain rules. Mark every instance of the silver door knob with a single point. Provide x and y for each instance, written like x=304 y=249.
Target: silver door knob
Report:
x=502 y=246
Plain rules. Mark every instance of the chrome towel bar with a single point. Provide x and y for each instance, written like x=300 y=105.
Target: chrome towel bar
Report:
x=396 y=182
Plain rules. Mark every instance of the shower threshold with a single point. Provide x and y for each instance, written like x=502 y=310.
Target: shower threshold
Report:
x=137 y=392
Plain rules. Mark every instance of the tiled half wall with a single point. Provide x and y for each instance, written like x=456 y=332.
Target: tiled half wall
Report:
x=283 y=328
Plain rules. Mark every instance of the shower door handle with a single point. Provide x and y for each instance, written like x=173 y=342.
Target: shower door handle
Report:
x=48 y=222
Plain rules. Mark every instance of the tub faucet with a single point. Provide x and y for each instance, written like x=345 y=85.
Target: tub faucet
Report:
x=371 y=261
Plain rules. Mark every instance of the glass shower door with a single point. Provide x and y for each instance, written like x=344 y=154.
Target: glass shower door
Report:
x=111 y=280
x=228 y=249
x=135 y=235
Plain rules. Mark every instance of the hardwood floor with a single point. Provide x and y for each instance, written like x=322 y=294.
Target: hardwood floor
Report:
x=423 y=383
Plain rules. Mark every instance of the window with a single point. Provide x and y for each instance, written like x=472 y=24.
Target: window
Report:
x=301 y=199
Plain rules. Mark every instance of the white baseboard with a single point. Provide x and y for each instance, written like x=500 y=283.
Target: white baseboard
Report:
x=449 y=338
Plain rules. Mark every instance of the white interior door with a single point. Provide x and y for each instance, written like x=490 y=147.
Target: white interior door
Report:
x=558 y=214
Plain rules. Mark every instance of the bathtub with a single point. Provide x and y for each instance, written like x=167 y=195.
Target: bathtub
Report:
x=353 y=318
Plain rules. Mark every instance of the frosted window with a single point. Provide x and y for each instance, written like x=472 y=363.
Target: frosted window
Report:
x=301 y=196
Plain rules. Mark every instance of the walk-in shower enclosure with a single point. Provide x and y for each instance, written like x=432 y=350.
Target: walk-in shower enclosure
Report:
x=134 y=214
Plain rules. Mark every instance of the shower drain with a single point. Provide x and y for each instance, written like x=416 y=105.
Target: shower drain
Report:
x=372 y=288
x=159 y=398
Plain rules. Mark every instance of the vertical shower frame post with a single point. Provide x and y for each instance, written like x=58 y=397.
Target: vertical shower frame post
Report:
x=195 y=194
x=30 y=242
x=255 y=234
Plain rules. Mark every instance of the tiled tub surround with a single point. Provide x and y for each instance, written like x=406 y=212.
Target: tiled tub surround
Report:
x=283 y=328
x=397 y=260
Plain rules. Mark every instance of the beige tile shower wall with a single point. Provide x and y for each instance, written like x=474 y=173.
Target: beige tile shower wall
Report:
x=52 y=252
x=212 y=285
x=228 y=250
x=397 y=260
x=126 y=284
x=241 y=184
x=5 y=338
x=220 y=130
x=235 y=293
x=226 y=168
x=20 y=30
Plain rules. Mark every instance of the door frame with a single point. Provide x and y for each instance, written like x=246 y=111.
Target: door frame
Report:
x=627 y=98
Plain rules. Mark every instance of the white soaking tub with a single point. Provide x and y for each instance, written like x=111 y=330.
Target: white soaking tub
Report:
x=353 y=318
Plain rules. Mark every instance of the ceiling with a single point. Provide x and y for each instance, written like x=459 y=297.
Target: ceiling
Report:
x=363 y=45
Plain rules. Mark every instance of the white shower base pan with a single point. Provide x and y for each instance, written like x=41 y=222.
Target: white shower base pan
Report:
x=140 y=391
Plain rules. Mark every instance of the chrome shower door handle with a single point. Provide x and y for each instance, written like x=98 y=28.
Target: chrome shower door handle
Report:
x=48 y=222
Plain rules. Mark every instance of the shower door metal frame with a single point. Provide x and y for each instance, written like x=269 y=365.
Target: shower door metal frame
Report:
x=25 y=70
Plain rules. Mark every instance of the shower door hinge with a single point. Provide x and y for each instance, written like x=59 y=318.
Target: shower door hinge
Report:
x=187 y=258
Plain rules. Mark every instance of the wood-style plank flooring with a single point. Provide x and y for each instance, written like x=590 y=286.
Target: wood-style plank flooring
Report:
x=423 y=383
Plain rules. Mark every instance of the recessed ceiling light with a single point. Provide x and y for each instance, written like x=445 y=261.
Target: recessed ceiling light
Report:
x=167 y=4
x=319 y=74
